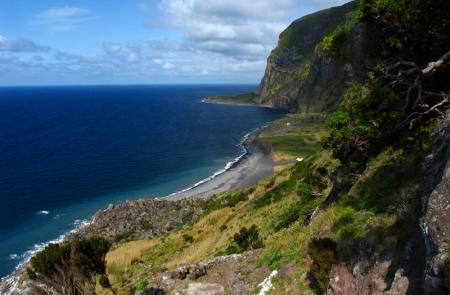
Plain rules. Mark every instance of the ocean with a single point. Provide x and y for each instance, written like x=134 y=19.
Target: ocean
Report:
x=68 y=151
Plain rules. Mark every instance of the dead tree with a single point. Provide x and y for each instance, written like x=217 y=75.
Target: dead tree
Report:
x=421 y=101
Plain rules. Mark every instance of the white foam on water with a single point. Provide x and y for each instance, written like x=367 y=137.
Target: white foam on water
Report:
x=227 y=167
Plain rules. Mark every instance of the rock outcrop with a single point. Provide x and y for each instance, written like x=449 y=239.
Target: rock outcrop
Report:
x=142 y=219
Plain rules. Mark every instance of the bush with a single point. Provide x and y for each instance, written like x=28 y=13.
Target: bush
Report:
x=45 y=261
x=247 y=239
x=62 y=267
x=145 y=224
x=333 y=41
x=188 y=238
x=141 y=286
x=89 y=254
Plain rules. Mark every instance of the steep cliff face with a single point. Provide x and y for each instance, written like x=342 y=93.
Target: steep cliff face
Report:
x=300 y=75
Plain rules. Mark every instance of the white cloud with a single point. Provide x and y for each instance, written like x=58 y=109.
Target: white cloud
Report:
x=223 y=41
x=62 y=18
x=132 y=58
x=168 y=66
x=20 y=45
x=321 y=4
x=245 y=29
x=233 y=27
x=111 y=48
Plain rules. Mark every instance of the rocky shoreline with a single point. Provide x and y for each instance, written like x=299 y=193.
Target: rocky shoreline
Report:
x=148 y=218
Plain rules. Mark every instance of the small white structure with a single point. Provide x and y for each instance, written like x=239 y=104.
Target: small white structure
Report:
x=288 y=124
x=267 y=285
x=299 y=159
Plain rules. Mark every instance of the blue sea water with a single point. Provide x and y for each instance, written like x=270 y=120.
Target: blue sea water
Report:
x=66 y=152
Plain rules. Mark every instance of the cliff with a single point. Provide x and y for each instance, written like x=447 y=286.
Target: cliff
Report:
x=299 y=75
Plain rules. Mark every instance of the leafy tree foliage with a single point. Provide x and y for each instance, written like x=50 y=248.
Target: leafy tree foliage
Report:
x=416 y=30
x=364 y=116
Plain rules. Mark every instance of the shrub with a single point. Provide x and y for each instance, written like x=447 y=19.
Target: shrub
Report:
x=145 y=224
x=73 y=264
x=334 y=40
x=141 y=286
x=89 y=254
x=188 y=238
x=46 y=260
x=247 y=239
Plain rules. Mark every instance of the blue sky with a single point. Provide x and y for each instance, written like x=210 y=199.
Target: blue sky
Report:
x=51 y=42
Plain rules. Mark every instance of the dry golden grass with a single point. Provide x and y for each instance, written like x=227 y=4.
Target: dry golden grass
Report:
x=124 y=254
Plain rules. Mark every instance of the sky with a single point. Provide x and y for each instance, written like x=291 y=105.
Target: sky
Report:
x=89 y=42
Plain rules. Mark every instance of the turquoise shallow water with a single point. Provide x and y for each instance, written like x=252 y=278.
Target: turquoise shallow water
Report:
x=67 y=152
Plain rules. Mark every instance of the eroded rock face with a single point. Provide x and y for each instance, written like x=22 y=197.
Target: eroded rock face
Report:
x=437 y=211
x=331 y=73
x=300 y=76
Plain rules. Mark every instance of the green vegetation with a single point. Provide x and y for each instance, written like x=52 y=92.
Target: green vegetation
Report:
x=244 y=240
x=68 y=268
x=188 y=238
x=364 y=116
x=334 y=40
x=412 y=30
x=141 y=286
x=145 y=224
x=296 y=135
x=246 y=98
x=359 y=186
x=323 y=21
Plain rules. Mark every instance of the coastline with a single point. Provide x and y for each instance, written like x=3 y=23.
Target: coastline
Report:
x=213 y=100
x=247 y=169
